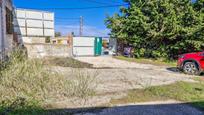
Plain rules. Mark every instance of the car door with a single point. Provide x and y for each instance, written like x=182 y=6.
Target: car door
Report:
x=202 y=60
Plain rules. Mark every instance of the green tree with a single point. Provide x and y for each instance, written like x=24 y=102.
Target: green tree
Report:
x=160 y=28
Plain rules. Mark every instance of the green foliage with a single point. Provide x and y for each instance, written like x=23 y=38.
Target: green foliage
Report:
x=47 y=40
x=164 y=28
x=192 y=93
x=157 y=62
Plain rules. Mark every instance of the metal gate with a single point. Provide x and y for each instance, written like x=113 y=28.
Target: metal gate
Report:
x=83 y=46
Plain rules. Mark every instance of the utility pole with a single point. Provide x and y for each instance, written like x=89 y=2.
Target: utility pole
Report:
x=81 y=26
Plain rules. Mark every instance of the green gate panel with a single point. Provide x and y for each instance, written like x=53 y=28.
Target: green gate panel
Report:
x=98 y=46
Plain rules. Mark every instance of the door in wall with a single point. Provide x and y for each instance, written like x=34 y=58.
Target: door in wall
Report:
x=98 y=46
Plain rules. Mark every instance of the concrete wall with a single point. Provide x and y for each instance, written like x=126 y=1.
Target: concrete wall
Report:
x=1 y=30
x=46 y=50
x=32 y=39
x=34 y=23
x=6 y=40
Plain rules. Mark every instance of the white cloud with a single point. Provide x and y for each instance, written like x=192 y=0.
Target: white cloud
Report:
x=87 y=30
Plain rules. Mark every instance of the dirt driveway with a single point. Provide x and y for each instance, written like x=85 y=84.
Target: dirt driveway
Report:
x=117 y=76
x=122 y=75
x=109 y=62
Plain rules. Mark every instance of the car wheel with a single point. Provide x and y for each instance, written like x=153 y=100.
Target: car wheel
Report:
x=191 y=68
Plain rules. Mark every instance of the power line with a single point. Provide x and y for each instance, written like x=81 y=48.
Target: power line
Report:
x=60 y=18
x=94 y=29
x=93 y=1
x=65 y=23
x=114 y=1
x=82 y=8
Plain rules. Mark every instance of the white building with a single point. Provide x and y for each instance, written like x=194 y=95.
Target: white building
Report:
x=33 y=26
x=6 y=27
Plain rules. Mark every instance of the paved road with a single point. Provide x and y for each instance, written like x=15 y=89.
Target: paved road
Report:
x=149 y=109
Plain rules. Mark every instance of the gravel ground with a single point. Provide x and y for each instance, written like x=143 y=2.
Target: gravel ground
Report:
x=123 y=75
x=116 y=77
x=109 y=62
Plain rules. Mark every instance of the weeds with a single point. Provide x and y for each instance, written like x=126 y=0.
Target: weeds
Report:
x=192 y=93
x=66 y=62
x=28 y=83
x=84 y=84
x=157 y=62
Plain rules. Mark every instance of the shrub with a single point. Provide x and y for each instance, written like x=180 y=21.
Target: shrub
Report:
x=30 y=83
x=66 y=62
x=26 y=85
x=47 y=40
x=84 y=84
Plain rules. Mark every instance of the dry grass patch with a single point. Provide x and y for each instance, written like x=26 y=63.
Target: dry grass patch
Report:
x=192 y=93
x=26 y=85
x=148 y=61
x=66 y=62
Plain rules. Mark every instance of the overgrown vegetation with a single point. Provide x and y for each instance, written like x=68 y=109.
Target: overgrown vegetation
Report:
x=27 y=85
x=66 y=62
x=160 y=28
x=192 y=93
x=148 y=61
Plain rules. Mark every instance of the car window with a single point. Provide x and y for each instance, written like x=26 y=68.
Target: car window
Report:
x=202 y=54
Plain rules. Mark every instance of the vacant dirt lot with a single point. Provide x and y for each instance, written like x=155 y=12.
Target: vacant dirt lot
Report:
x=122 y=75
x=115 y=77
x=109 y=62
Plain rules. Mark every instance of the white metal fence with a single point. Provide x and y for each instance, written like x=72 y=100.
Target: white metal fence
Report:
x=83 y=46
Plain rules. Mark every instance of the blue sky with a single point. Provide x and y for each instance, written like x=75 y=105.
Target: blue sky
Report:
x=93 y=18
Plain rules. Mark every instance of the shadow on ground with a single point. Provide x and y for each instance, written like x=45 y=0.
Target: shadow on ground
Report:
x=149 y=109
x=176 y=70
x=173 y=69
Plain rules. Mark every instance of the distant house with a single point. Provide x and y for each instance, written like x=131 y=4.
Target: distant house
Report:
x=6 y=27
x=63 y=40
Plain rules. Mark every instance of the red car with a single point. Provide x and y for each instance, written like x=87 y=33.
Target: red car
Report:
x=191 y=63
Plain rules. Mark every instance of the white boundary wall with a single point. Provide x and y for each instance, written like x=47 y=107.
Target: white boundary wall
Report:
x=83 y=46
x=33 y=23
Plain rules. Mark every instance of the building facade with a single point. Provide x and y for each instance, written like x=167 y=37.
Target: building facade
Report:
x=6 y=27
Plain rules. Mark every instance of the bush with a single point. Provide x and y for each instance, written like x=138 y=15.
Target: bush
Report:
x=28 y=81
x=171 y=26
x=47 y=40
x=84 y=84
x=26 y=85
x=139 y=52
